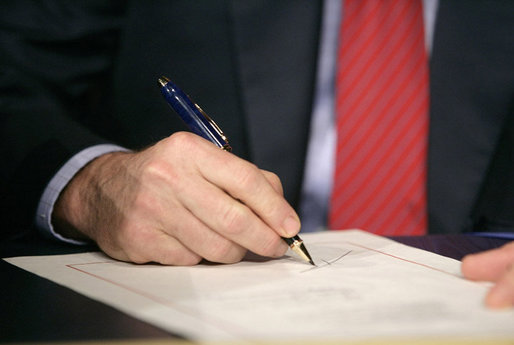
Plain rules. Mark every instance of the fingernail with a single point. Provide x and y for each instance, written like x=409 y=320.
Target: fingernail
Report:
x=291 y=225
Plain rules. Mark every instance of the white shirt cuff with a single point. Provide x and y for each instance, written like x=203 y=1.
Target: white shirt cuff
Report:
x=59 y=181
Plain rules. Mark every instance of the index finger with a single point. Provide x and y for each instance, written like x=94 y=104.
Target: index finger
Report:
x=248 y=184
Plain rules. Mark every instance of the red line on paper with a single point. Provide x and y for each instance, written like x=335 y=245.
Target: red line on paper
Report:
x=221 y=324
x=403 y=259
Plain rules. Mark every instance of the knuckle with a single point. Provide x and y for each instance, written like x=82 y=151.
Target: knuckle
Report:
x=138 y=259
x=158 y=174
x=190 y=260
x=139 y=250
x=237 y=255
x=180 y=143
x=225 y=252
x=246 y=176
x=132 y=241
x=274 y=180
x=180 y=140
x=180 y=258
x=234 y=219
x=135 y=254
x=156 y=169
x=219 y=251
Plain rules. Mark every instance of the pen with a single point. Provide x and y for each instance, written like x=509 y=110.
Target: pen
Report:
x=201 y=124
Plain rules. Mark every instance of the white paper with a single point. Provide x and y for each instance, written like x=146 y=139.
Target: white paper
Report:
x=364 y=287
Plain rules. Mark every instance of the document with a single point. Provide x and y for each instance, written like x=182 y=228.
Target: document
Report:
x=364 y=287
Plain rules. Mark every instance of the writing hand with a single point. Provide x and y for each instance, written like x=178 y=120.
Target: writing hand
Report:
x=177 y=202
x=496 y=265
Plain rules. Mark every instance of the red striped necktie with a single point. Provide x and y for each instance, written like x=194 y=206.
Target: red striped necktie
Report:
x=381 y=119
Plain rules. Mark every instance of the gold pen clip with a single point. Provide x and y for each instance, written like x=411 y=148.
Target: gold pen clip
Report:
x=226 y=145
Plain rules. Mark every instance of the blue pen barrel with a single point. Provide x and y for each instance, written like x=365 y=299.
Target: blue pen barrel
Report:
x=192 y=115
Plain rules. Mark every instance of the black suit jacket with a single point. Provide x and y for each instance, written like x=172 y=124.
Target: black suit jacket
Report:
x=82 y=73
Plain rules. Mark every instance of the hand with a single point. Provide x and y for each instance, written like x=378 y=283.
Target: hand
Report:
x=496 y=265
x=177 y=202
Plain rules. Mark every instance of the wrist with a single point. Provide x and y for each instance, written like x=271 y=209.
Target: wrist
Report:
x=74 y=210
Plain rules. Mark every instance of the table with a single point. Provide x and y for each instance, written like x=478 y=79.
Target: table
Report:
x=35 y=309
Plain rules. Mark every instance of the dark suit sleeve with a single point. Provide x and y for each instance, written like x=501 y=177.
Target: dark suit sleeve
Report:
x=55 y=59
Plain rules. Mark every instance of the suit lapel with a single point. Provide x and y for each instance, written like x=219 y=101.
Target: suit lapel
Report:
x=278 y=114
x=468 y=106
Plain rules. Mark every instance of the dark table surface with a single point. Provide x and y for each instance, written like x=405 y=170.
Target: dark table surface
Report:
x=35 y=309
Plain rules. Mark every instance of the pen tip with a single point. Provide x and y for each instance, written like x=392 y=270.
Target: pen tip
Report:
x=163 y=81
x=307 y=255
